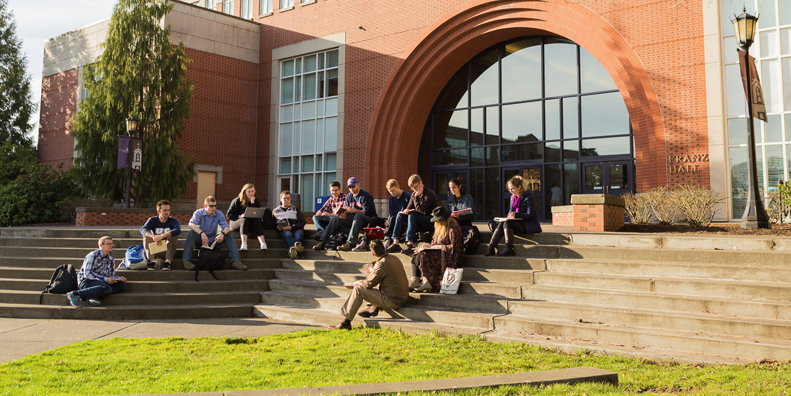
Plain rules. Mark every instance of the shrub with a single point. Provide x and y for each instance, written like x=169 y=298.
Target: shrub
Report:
x=638 y=207
x=662 y=204
x=697 y=204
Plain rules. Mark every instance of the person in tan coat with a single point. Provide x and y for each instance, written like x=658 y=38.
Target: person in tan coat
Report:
x=387 y=273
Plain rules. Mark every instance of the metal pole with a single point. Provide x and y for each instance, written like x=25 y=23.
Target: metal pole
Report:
x=128 y=175
x=754 y=214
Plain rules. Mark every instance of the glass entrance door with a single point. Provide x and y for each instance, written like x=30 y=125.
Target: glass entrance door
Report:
x=611 y=178
x=533 y=175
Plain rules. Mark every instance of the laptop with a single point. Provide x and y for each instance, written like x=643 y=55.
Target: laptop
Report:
x=253 y=213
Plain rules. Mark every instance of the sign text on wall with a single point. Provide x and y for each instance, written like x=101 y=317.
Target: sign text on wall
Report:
x=686 y=163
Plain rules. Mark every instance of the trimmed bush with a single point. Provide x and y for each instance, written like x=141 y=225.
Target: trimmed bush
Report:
x=638 y=207
x=697 y=204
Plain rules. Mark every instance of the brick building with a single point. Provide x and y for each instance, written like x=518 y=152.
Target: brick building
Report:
x=584 y=96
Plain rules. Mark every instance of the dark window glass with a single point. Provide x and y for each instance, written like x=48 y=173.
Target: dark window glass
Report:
x=522 y=70
x=774 y=164
x=425 y=160
x=552 y=119
x=522 y=122
x=571 y=150
x=571 y=181
x=484 y=75
x=594 y=178
x=552 y=179
x=332 y=58
x=619 y=178
x=493 y=155
x=477 y=189
x=450 y=129
x=441 y=184
x=493 y=187
x=450 y=157
x=476 y=127
x=594 y=77
x=332 y=82
x=522 y=152
x=560 y=68
x=759 y=161
x=606 y=146
x=455 y=94
x=739 y=182
x=493 y=125
x=553 y=152
x=571 y=119
x=604 y=115
x=476 y=156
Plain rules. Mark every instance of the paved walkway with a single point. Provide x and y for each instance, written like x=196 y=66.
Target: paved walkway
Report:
x=22 y=337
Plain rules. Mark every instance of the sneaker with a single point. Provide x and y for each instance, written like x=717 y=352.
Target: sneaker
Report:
x=188 y=265
x=263 y=246
x=152 y=266
x=388 y=243
x=317 y=236
x=243 y=247
x=361 y=247
x=95 y=302
x=408 y=250
x=237 y=265
x=166 y=266
x=298 y=246
x=318 y=246
x=394 y=248
x=159 y=263
x=74 y=299
x=293 y=253
x=345 y=247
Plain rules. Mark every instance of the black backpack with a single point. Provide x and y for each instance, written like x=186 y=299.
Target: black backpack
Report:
x=472 y=238
x=63 y=280
x=209 y=260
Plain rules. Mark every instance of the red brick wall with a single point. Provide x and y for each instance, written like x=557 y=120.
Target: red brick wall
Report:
x=58 y=106
x=563 y=219
x=120 y=218
x=598 y=217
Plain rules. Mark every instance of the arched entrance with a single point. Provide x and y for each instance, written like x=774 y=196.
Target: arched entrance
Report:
x=540 y=107
x=410 y=92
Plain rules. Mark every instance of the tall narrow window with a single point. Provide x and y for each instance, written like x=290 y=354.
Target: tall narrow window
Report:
x=286 y=4
x=247 y=9
x=227 y=6
x=266 y=7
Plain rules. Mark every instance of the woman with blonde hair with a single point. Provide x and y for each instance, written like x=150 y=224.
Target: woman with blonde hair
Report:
x=429 y=262
x=523 y=206
x=237 y=220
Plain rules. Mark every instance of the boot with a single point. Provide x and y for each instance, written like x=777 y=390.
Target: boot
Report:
x=414 y=283
x=490 y=251
x=507 y=251
x=424 y=287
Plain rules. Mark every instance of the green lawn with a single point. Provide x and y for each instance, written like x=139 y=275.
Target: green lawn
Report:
x=317 y=357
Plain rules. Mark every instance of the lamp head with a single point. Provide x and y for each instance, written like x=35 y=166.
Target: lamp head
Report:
x=131 y=124
x=744 y=26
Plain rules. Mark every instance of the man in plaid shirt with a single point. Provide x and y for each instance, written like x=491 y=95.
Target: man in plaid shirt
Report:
x=97 y=277
x=323 y=216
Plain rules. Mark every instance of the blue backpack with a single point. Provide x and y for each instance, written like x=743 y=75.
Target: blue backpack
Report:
x=135 y=258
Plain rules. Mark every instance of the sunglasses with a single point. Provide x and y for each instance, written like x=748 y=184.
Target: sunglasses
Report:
x=212 y=206
x=351 y=186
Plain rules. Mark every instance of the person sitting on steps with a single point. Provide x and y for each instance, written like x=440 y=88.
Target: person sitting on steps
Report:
x=161 y=229
x=235 y=214
x=415 y=217
x=291 y=223
x=97 y=278
x=397 y=202
x=446 y=250
x=459 y=200
x=359 y=209
x=387 y=273
x=322 y=218
x=204 y=226
x=523 y=206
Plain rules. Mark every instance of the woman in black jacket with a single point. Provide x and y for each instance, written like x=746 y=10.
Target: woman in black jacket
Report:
x=523 y=206
x=236 y=218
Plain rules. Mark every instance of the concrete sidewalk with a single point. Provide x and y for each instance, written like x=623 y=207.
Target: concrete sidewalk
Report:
x=22 y=337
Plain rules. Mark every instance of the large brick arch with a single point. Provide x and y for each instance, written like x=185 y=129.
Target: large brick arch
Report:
x=411 y=90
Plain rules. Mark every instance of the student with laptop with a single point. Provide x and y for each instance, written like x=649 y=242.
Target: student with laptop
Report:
x=245 y=214
x=291 y=223
x=160 y=235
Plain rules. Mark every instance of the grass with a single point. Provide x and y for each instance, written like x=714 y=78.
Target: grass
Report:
x=326 y=358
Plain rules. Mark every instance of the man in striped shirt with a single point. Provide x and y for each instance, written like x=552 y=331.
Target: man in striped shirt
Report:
x=97 y=277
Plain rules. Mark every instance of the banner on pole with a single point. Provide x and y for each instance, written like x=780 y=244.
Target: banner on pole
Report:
x=123 y=151
x=756 y=93
x=136 y=147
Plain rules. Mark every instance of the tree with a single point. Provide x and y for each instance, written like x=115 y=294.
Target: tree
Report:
x=16 y=103
x=141 y=73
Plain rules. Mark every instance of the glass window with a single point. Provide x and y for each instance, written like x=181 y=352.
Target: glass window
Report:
x=493 y=125
x=735 y=91
x=476 y=127
x=329 y=162
x=560 y=68
x=522 y=122
x=493 y=187
x=227 y=6
x=521 y=67
x=571 y=181
x=332 y=59
x=285 y=140
x=571 y=118
x=787 y=83
x=287 y=91
x=785 y=41
x=759 y=160
x=773 y=129
x=770 y=81
x=309 y=87
x=604 y=114
x=571 y=150
x=523 y=152
x=247 y=9
x=265 y=7
x=774 y=164
x=285 y=165
x=553 y=152
x=331 y=134
x=450 y=157
x=784 y=11
x=476 y=189
x=769 y=42
x=729 y=11
x=607 y=146
x=485 y=79
x=450 y=129
x=552 y=119
x=593 y=75
x=731 y=55
x=332 y=82
x=308 y=137
x=476 y=156
x=493 y=156
x=768 y=13
x=286 y=4
x=737 y=131
x=739 y=182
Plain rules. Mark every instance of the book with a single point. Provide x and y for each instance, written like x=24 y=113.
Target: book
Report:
x=153 y=248
x=502 y=219
x=460 y=212
x=340 y=210
x=210 y=247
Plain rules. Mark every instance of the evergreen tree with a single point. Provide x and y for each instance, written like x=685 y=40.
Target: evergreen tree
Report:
x=140 y=73
x=16 y=103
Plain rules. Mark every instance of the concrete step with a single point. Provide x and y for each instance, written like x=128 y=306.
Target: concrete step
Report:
x=724 y=307
x=621 y=254
x=119 y=243
x=91 y=233
x=523 y=256
x=10 y=252
x=132 y=312
x=143 y=275
x=683 y=241
x=651 y=319
x=683 y=341
x=53 y=262
x=132 y=297
x=724 y=288
x=672 y=269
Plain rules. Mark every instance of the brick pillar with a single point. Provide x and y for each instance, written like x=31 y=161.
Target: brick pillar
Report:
x=597 y=212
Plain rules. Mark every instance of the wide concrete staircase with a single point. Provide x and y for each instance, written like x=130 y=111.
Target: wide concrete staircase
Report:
x=686 y=298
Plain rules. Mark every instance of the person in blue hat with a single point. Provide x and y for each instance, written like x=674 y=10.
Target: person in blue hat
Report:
x=356 y=213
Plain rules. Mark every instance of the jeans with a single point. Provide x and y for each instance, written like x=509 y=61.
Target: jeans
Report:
x=336 y=222
x=98 y=289
x=321 y=222
x=194 y=238
x=413 y=223
x=360 y=221
x=292 y=236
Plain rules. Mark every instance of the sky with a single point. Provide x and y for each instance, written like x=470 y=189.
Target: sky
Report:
x=40 y=20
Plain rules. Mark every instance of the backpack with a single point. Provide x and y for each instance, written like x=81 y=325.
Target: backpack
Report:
x=135 y=258
x=209 y=260
x=472 y=238
x=63 y=280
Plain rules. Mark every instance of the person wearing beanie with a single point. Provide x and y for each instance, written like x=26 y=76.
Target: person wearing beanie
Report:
x=388 y=273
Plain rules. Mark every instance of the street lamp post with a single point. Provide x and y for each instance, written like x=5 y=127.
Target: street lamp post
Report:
x=131 y=128
x=754 y=214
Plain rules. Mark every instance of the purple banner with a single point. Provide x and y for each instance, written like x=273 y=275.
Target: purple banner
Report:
x=123 y=151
